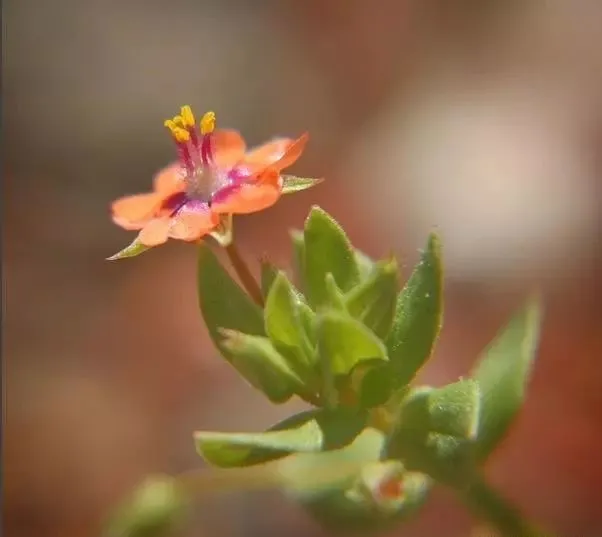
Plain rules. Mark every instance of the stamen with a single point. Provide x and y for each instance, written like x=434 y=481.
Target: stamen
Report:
x=185 y=158
x=187 y=116
x=188 y=121
x=207 y=128
x=208 y=123
x=181 y=136
x=206 y=151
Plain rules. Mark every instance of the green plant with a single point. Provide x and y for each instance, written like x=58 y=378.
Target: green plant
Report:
x=345 y=337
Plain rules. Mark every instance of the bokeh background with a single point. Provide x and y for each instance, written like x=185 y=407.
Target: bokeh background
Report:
x=481 y=118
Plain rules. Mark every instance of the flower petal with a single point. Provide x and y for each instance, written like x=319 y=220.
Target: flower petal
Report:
x=246 y=198
x=227 y=147
x=131 y=210
x=169 y=180
x=155 y=232
x=134 y=212
x=128 y=224
x=269 y=176
x=277 y=154
x=191 y=225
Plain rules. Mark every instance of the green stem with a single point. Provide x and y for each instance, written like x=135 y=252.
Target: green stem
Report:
x=214 y=481
x=275 y=475
x=244 y=274
x=487 y=504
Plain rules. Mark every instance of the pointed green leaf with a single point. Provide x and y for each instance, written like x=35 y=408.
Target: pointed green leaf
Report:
x=373 y=301
x=308 y=432
x=255 y=358
x=268 y=274
x=298 y=241
x=344 y=342
x=454 y=409
x=418 y=315
x=135 y=248
x=281 y=316
x=292 y=184
x=336 y=299
x=503 y=372
x=308 y=317
x=223 y=303
x=327 y=249
x=364 y=264
x=284 y=325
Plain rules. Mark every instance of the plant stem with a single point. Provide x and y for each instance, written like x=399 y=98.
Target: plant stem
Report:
x=244 y=274
x=271 y=475
x=487 y=504
x=213 y=481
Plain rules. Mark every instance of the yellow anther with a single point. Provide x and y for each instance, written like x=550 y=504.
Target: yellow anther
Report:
x=170 y=124
x=187 y=116
x=180 y=134
x=208 y=123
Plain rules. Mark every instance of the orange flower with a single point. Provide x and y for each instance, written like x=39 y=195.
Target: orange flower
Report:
x=213 y=177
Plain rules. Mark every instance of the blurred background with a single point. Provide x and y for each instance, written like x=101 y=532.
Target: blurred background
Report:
x=480 y=118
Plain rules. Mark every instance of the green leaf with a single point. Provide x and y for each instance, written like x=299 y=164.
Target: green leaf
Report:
x=327 y=249
x=418 y=316
x=292 y=184
x=135 y=248
x=336 y=299
x=268 y=274
x=154 y=509
x=454 y=409
x=281 y=312
x=373 y=301
x=376 y=385
x=445 y=458
x=307 y=475
x=340 y=488
x=298 y=241
x=503 y=372
x=223 y=303
x=308 y=432
x=421 y=438
x=307 y=316
x=413 y=420
x=255 y=358
x=364 y=264
x=344 y=342
x=284 y=325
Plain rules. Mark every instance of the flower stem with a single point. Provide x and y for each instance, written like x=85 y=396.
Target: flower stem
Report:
x=244 y=274
x=487 y=504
